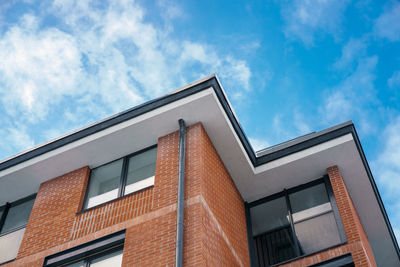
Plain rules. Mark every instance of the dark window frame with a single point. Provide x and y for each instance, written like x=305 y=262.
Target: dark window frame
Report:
x=122 y=180
x=285 y=193
x=6 y=207
x=89 y=251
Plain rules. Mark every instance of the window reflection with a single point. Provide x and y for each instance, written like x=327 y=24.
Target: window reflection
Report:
x=293 y=223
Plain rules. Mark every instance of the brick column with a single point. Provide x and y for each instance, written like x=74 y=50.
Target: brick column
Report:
x=352 y=225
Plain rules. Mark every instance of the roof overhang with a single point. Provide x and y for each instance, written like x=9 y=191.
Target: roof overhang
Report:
x=255 y=174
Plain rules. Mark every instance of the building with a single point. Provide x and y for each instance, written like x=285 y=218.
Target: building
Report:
x=109 y=193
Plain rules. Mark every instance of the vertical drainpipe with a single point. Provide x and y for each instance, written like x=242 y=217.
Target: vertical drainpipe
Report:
x=181 y=198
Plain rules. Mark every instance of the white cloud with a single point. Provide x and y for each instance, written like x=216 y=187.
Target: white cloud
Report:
x=258 y=143
x=301 y=126
x=351 y=51
x=337 y=107
x=387 y=25
x=352 y=98
x=170 y=10
x=394 y=81
x=391 y=154
x=304 y=19
x=37 y=68
x=278 y=127
x=387 y=170
x=100 y=59
x=15 y=138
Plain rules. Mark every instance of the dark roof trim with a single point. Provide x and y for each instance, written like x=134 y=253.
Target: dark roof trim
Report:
x=265 y=155
x=132 y=113
x=300 y=139
x=302 y=143
x=375 y=189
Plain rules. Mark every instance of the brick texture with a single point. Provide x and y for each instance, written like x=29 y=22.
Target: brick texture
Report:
x=54 y=211
x=357 y=241
x=215 y=225
x=123 y=209
x=227 y=236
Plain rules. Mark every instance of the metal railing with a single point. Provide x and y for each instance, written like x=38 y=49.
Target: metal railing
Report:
x=274 y=246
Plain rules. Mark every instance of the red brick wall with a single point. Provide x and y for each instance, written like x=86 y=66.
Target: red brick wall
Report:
x=226 y=206
x=53 y=213
x=215 y=226
x=357 y=242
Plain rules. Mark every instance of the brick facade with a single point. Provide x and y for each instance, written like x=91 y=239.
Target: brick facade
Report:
x=215 y=224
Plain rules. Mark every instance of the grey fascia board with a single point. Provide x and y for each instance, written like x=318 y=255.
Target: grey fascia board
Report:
x=109 y=122
x=303 y=142
x=300 y=139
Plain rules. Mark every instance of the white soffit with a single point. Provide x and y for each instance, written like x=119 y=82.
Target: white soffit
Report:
x=106 y=145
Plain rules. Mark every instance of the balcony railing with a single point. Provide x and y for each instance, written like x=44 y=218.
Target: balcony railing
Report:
x=274 y=246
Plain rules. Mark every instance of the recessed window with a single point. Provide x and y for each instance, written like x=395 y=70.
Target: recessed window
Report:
x=103 y=252
x=121 y=177
x=106 y=259
x=141 y=169
x=13 y=220
x=295 y=222
x=15 y=215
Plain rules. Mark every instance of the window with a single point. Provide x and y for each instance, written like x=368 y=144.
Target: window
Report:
x=13 y=219
x=295 y=222
x=15 y=215
x=113 y=258
x=121 y=177
x=102 y=252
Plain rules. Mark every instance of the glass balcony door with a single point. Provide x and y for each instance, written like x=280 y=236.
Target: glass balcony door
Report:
x=295 y=222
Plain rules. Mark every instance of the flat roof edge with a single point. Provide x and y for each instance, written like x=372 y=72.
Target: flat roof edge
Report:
x=376 y=191
x=200 y=85
x=211 y=81
x=303 y=142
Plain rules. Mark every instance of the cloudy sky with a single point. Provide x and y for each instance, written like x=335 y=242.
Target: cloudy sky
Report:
x=288 y=67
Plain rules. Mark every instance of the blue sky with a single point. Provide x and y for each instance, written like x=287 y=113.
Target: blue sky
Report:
x=288 y=67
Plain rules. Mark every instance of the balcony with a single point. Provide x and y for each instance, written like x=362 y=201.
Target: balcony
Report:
x=295 y=222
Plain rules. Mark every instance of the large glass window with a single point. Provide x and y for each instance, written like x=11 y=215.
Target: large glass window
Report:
x=13 y=219
x=15 y=215
x=273 y=239
x=295 y=222
x=104 y=259
x=121 y=177
x=141 y=169
x=104 y=183
x=102 y=252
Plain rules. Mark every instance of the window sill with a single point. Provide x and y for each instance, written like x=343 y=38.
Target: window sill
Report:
x=13 y=230
x=113 y=200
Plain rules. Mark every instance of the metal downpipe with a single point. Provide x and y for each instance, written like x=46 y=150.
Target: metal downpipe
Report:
x=181 y=196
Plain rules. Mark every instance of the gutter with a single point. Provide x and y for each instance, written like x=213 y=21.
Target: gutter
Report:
x=181 y=195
